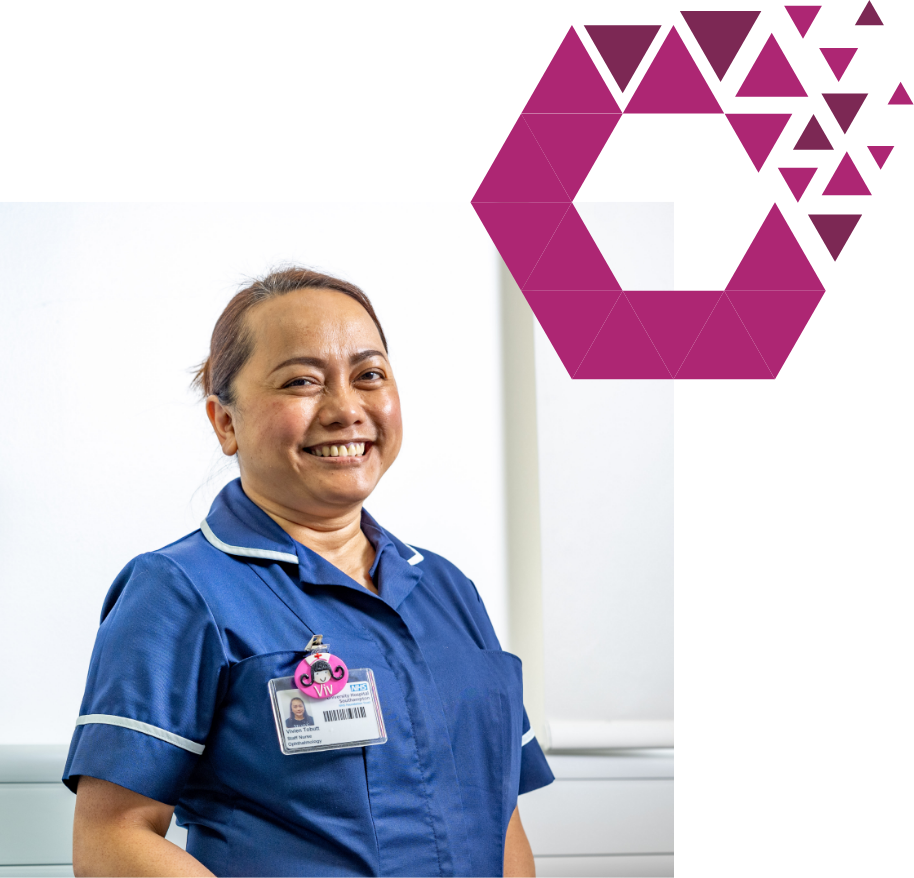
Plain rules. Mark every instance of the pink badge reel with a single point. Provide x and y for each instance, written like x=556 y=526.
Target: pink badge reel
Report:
x=321 y=675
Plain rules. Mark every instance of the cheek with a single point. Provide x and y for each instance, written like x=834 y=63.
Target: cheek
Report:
x=279 y=422
x=389 y=415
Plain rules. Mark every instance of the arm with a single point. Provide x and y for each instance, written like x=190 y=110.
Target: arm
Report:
x=518 y=856
x=119 y=832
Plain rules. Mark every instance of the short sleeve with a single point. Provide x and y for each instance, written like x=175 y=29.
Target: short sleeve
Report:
x=157 y=673
x=534 y=769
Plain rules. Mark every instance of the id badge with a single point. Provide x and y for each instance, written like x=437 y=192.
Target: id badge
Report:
x=349 y=717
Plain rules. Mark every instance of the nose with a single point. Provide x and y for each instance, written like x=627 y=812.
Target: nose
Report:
x=341 y=406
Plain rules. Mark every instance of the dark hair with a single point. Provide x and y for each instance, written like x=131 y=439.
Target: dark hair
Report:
x=321 y=665
x=231 y=343
x=306 y=677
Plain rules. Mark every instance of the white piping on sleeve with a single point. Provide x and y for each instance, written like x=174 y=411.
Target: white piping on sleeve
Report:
x=528 y=737
x=415 y=558
x=268 y=554
x=153 y=731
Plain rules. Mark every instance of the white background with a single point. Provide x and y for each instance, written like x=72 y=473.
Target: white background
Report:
x=107 y=453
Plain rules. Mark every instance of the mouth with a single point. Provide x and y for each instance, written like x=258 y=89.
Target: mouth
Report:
x=341 y=451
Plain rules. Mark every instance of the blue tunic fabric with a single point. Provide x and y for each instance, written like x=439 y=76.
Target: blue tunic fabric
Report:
x=177 y=706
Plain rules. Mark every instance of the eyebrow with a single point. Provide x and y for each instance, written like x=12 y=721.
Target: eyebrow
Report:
x=355 y=359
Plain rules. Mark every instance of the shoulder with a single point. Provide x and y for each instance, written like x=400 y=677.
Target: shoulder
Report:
x=440 y=568
x=453 y=587
x=178 y=571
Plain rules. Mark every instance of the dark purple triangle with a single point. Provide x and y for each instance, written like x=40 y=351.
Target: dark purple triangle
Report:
x=838 y=59
x=834 y=229
x=869 y=17
x=844 y=106
x=900 y=96
x=720 y=35
x=622 y=46
x=803 y=16
x=813 y=137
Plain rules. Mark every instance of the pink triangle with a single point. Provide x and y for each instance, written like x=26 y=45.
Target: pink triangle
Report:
x=758 y=133
x=771 y=76
x=880 y=153
x=571 y=261
x=838 y=59
x=803 y=16
x=774 y=260
x=834 y=229
x=900 y=96
x=520 y=232
x=559 y=134
x=572 y=320
x=813 y=137
x=720 y=35
x=622 y=349
x=622 y=47
x=869 y=15
x=673 y=83
x=797 y=179
x=846 y=180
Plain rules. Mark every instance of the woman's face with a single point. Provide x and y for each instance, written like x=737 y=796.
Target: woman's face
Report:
x=317 y=377
x=298 y=708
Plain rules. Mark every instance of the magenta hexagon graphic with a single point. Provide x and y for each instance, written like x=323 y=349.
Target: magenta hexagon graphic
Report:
x=526 y=203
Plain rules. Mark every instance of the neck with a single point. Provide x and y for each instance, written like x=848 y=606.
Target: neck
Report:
x=330 y=538
x=323 y=531
x=337 y=538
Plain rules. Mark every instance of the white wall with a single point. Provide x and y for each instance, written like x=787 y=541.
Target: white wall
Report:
x=606 y=505
x=605 y=473
x=105 y=453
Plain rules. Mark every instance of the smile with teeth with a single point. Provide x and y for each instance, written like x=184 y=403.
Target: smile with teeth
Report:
x=352 y=449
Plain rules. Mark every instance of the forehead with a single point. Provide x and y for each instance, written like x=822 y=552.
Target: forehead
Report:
x=311 y=322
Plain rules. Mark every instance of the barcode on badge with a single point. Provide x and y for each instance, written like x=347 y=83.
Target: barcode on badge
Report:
x=332 y=716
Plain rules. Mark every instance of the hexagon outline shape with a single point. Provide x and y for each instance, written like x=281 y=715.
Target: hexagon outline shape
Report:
x=598 y=329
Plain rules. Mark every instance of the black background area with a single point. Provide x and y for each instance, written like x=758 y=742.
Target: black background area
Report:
x=720 y=199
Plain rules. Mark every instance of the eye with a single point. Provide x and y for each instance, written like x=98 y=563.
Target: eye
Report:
x=370 y=375
x=298 y=382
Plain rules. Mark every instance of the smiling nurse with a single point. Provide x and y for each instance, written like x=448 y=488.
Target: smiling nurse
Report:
x=177 y=713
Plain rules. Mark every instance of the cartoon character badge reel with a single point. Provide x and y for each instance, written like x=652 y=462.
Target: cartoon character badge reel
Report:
x=343 y=703
x=321 y=674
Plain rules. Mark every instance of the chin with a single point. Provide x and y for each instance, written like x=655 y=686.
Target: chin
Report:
x=342 y=497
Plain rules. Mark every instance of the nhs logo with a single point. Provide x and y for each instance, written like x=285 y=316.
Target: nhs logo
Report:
x=358 y=687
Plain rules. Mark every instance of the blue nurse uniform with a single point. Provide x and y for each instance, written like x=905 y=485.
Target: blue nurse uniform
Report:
x=177 y=706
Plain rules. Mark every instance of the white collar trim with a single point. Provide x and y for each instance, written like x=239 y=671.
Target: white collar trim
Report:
x=268 y=554
x=416 y=558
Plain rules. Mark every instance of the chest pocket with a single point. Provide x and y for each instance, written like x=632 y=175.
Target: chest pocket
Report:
x=484 y=710
x=243 y=752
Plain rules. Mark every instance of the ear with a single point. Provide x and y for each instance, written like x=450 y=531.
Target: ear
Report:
x=223 y=422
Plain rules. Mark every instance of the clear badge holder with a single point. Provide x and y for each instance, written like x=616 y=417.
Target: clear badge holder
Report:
x=350 y=718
